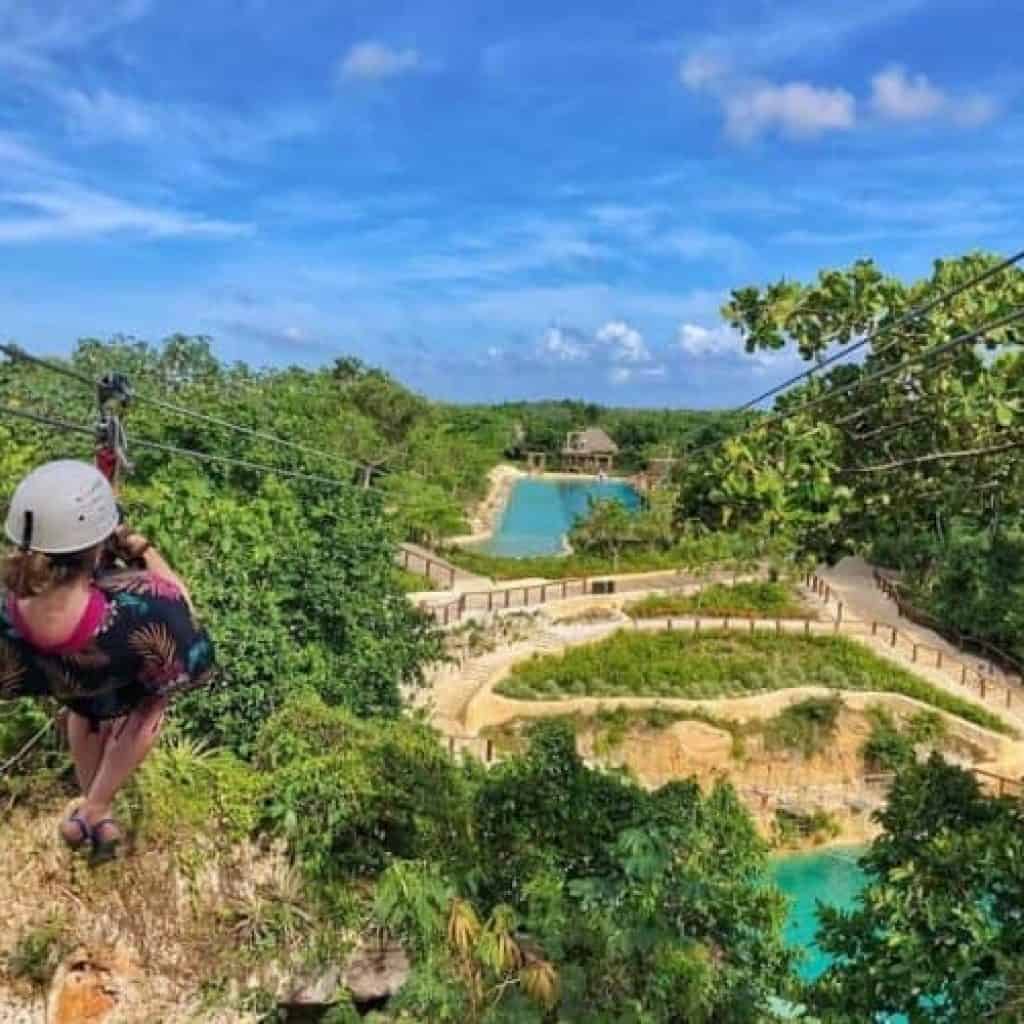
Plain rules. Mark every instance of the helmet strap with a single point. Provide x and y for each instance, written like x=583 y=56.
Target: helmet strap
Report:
x=26 y=532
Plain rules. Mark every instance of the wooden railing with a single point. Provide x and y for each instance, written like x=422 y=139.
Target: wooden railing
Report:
x=1005 y=691
x=436 y=570
x=895 y=591
x=523 y=596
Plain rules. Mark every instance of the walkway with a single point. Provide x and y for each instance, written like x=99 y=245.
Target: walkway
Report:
x=415 y=558
x=853 y=582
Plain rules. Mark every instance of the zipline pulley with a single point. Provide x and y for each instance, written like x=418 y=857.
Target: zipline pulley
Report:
x=113 y=397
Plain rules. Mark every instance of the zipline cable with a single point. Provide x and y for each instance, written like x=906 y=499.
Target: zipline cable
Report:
x=918 y=460
x=914 y=314
x=180 y=410
x=889 y=371
x=17 y=353
x=77 y=428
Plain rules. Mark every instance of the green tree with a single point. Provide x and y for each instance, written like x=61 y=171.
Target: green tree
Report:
x=936 y=935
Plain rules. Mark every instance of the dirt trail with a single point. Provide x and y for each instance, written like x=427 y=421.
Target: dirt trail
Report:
x=853 y=581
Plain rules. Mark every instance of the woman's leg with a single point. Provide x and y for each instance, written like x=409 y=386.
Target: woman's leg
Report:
x=86 y=741
x=126 y=748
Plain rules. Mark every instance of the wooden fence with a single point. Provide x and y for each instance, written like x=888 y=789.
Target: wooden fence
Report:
x=524 y=596
x=895 y=591
x=436 y=570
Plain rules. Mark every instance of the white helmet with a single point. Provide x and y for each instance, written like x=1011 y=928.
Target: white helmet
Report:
x=62 y=507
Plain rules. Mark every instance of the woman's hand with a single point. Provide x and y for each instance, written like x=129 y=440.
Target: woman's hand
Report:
x=129 y=545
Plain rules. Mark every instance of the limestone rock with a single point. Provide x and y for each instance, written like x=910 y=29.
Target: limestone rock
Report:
x=88 y=986
x=376 y=973
x=370 y=973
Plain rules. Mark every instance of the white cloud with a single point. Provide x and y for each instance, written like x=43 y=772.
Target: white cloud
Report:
x=752 y=107
x=105 y=114
x=371 y=61
x=701 y=70
x=33 y=35
x=181 y=129
x=797 y=109
x=903 y=97
x=625 y=344
x=562 y=346
x=695 y=340
x=898 y=95
x=625 y=374
x=974 y=111
x=61 y=212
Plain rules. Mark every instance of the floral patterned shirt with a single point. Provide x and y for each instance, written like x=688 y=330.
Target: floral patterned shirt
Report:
x=137 y=638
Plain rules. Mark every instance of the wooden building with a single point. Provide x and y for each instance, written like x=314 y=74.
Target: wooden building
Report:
x=589 y=451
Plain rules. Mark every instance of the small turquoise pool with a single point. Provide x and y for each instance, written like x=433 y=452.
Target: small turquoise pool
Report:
x=831 y=876
x=539 y=514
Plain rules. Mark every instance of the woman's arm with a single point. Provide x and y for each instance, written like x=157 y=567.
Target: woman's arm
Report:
x=136 y=548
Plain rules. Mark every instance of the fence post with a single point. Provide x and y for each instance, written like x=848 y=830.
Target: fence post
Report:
x=1009 y=696
x=839 y=612
x=751 y=620
x=489 y=752
x=490 y=600
x=669 y=625
x=981 y=683
x=963 y=675
x=508 y=595
x=938 y=659
x=451 y=579
x=726 y=626
x=544 y=593
x=807 y=627
x=565 y=586
x=913 y=656
x=874 y=627
x=778 y=627
x=696 y=625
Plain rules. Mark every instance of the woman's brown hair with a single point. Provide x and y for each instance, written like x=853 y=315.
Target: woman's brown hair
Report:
x=31 y=573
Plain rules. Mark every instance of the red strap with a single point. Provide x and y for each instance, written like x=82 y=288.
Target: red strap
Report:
x=106 y=462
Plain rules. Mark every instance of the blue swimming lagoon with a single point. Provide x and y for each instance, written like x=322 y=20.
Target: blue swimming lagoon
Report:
x=832 y=876
x=540 y=513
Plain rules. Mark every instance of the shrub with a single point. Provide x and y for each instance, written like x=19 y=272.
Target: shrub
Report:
x=350 y=795
x=37 y=953
x=808 y=726
x=759 y=600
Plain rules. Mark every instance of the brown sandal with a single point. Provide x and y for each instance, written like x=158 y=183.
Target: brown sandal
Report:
x=85 y=833
x=105 y=849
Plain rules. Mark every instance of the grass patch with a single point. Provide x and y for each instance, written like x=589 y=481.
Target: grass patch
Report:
x=717 y=664
x=37 y=953
x=413 y=582
x=761 y=599
x=808 y=726
x=724 y=551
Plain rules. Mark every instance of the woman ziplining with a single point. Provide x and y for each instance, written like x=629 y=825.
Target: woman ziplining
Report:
x=113 y=645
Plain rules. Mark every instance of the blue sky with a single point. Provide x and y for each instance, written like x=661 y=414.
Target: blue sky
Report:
x=491 y=200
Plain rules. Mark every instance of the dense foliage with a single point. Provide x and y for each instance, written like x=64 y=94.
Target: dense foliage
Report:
x=295 y=578
x=715 y=664
x=855 y=472
x=937 y=935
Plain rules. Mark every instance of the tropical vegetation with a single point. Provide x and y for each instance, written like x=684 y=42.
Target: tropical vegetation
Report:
x=758 y=599
x=714 y=664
